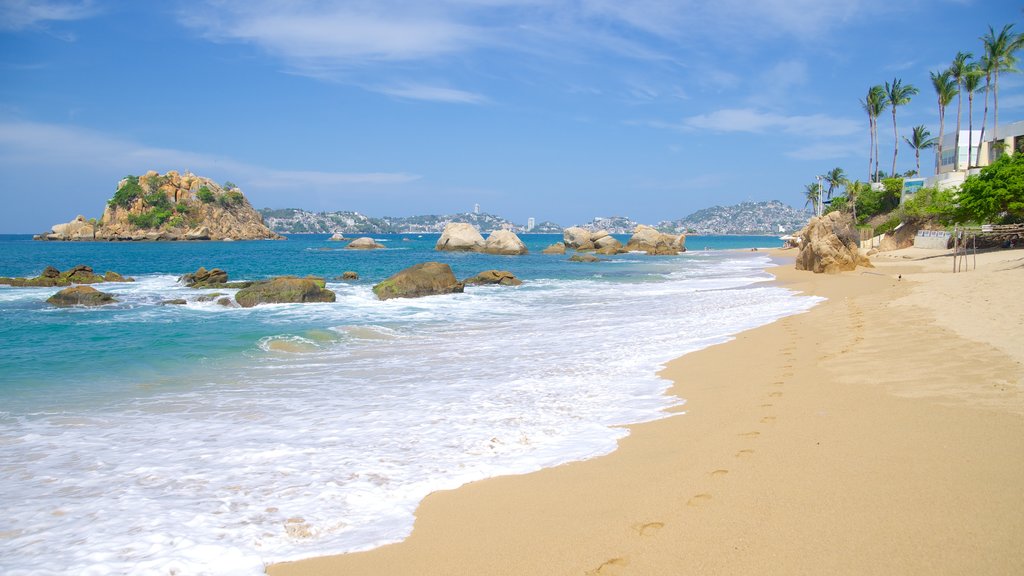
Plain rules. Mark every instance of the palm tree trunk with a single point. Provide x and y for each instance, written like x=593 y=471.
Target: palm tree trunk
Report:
x=995 y=106
x=984 y=120
x=956 y=139
x=871 y=144
x=942 y=127
x=970 y=127
x=917 y=160
x=896 y=146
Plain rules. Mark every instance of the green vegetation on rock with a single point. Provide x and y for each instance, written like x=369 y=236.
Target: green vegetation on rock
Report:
x=127 y=193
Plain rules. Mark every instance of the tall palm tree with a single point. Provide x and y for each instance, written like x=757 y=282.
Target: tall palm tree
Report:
x=874 y=104
x=897 y=95
x=811 y=194
x=972 y=84
x=945 y=89
x=853 y=191
x=985 y=69
x=920 y=139
x=1000 y=50
x=958 y=70
x=835 y=178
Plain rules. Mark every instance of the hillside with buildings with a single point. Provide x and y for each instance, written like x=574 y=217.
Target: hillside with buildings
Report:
x=772 y=217
x=746 y=218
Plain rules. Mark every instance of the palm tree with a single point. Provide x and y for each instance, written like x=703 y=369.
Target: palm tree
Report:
x=945 y=88
x=811 y=194
x=835 y=178
x=972 y=83
x=898 y=95
x=984 y=68
x=853 y=191
x=1000 y=50
x=958 y=70
x=874 y=104
x=920 y=139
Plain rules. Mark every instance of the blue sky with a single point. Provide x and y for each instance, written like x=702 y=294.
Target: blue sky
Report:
x=559 y=110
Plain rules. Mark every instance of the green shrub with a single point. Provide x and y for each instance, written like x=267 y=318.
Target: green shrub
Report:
x=995 y=195
x=205 y=195
x=889 y=225
x=127 y=193
x=157 y=199
x=181 y=207
x=928 y=203
x=229 y=185
x=232 y=198
x=176 y=221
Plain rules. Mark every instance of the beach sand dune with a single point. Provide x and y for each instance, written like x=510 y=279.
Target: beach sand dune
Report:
x=880 y=433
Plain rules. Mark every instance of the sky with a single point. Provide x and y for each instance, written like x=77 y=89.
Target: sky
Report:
x=561 y=110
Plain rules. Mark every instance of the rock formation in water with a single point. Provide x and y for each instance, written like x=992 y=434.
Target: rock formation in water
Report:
x=502 y=277
x=285 y=290
x=504 y=242
x=426 y=279
x=364 y=243
x=830 y=244
x=648 y=239
x=80 y=296
x=80 y=274
x=169 y=206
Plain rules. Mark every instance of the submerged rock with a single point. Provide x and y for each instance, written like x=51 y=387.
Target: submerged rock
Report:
x=426 y=279
x=203 y=278
x=337 y=237
x=285 y=289
x=80 y=296
x=364 y=243
x=349 y=275
x=584 y=258
x=503 y=277
x=80 y=274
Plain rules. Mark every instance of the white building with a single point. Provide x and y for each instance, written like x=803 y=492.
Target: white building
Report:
x=530 y=223
x=957 y=163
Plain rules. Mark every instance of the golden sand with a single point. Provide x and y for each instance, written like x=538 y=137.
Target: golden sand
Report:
x=880 y=433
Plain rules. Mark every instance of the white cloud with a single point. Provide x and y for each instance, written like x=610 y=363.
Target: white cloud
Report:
x=22 y=14
x=24 y=144
x=432 y=94
x=757 y=121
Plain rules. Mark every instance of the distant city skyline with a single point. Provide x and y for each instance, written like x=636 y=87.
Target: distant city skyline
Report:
x=554 y=110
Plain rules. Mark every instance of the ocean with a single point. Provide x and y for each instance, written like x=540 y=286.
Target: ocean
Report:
x=141 y=438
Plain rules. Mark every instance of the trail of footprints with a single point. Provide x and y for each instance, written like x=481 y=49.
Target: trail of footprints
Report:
x=700 y=499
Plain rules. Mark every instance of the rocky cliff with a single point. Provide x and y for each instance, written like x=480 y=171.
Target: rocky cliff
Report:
x=169 y=206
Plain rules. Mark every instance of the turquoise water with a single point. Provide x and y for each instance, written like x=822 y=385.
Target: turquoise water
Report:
x=145 y=438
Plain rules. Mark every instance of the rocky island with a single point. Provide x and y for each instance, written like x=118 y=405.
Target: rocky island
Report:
x=169 y=206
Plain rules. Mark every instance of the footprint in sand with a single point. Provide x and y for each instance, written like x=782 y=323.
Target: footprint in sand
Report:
x=778 y=383
x=746 y=453
x=698 y=499
x=767 y=405
x=775 y=394
x=719 y=473
x=768 y=420
x=603 y=568
x=648 y=528
x=753 y=434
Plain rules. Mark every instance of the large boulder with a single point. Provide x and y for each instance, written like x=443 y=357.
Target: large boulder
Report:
x=608 y=245
x=504 y=242
x=337 y=237
x=80 y=274
x=77 y=229
x=556 y=248
x=581 y=239
x=829 y=244
x=285 y=290
x=503 y=277
x=460 y=237
x=364 y=243
x=647 y=239
x=80 y=296
x=424 y=279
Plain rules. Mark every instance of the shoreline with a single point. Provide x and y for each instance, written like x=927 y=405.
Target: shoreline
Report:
x=880 y=432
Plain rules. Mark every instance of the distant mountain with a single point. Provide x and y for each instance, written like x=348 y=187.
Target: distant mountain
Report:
x=772 y=217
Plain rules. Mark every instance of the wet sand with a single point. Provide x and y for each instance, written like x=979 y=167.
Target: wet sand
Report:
x=880 y=433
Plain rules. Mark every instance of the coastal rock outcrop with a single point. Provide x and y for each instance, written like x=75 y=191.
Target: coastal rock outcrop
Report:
x=80 y=296
x=285 y=290
x=502 y=277
x=504 y=242
x=460 y=237
x=337 y=237
x=80 y=274
x=364 y=243
x=584 y=258
x=203 y=278
x=580 y=239
x=829 y=244
x=425 y=279
x=349 y=275
x=557 y=248
x=647 y=239
x=168 y=207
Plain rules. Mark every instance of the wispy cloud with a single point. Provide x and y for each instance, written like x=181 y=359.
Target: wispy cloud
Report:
x=431 y=94
x=757 y=121
x=25 y=144
x=23 y=14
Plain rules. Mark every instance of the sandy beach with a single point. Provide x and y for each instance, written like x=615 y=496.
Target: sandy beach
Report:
x=880 y=433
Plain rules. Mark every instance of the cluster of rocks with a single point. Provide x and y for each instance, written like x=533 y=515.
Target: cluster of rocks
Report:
x=80 y=274
x=644 y=239
x=830 y=244
x=197 y=201
x=462 y=237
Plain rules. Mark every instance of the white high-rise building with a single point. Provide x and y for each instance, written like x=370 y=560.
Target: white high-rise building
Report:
x=476 y=208
x=530 y=223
